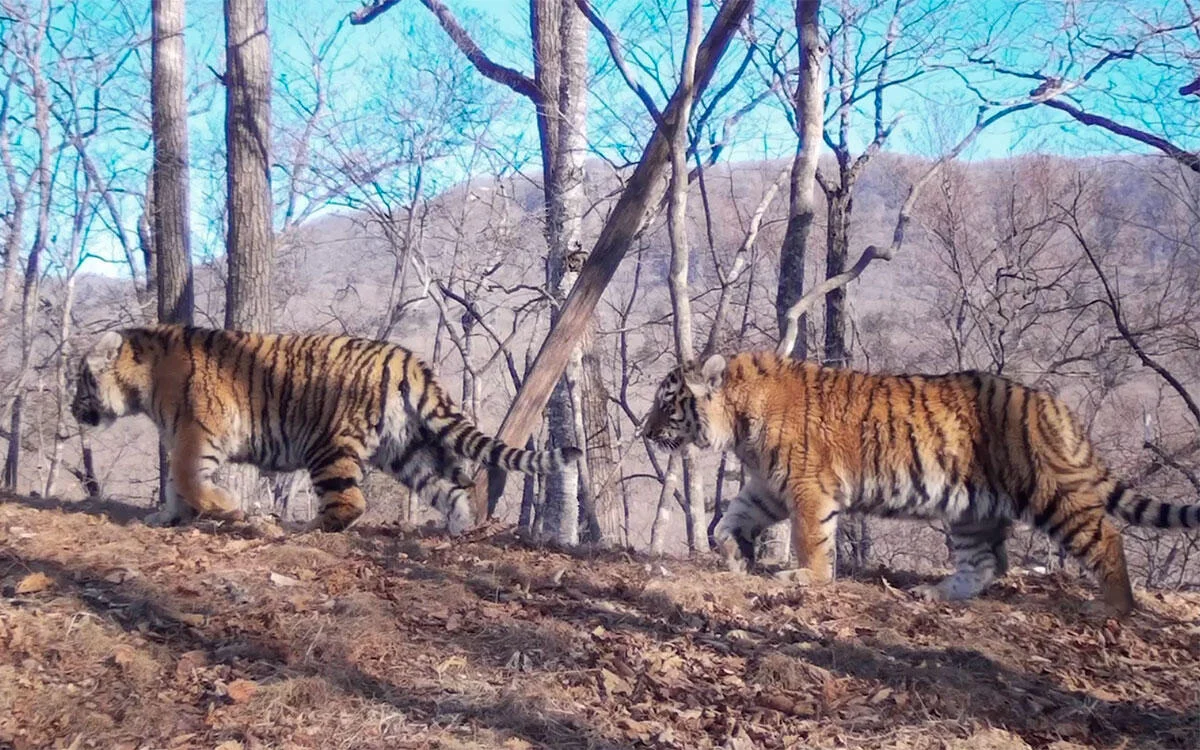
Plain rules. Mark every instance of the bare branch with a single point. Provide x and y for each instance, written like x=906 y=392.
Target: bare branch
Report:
x=489 y=68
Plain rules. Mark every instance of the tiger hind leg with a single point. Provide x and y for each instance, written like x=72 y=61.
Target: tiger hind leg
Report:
x=1076 y=519
x=337 y=479
x=979 y=558
x=429 y=471
x=748 y=514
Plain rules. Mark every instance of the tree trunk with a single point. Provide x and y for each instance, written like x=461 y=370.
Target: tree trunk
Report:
x=809 y=104
x=249 y=242
x=838 y=208
x=560 y=53
x=167 y=249
x=247 y=176
x=29 y=291
x=170 y=211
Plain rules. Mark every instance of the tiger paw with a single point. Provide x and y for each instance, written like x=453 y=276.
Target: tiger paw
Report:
x=929 y=592
x=798 y=576
x=458 y=521
x=161 y=519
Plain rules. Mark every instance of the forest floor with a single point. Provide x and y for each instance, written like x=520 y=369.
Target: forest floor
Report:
x=120 y=636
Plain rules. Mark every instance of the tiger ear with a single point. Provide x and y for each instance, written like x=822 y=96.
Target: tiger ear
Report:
x=711 y=376
x=106 y=349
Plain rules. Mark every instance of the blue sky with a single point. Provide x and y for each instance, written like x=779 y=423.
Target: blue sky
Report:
x=1031 y=35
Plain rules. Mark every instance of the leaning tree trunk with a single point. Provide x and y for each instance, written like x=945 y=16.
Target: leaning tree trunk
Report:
x=167 y=249
x=249 y=242
x=809 y=104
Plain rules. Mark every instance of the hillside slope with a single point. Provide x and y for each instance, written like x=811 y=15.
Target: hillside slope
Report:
x=123 y=637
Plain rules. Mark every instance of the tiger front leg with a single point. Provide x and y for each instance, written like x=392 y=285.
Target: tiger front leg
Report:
x=749 y=513
x=814 y=532
x=190 y=489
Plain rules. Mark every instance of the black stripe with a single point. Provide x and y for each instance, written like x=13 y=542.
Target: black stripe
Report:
x=1164 y=516
x=1092 y=541
x=1139 y=509
x=334 y=484
x=1114 y=497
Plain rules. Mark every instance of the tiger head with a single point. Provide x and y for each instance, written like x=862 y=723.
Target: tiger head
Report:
x=687 y=407
x=108 y=382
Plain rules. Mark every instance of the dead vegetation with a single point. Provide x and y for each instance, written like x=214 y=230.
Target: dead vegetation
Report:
x=122 y=636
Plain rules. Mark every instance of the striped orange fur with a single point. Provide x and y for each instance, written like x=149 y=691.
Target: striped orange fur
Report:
x=974 y=449
x=327 y=404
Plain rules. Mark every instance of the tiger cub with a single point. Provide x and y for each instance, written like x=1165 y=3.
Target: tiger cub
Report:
x=972 y=448
x=328 y=404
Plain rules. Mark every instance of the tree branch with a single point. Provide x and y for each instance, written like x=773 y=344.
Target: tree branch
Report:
x=487 y=67
x=1186 y=158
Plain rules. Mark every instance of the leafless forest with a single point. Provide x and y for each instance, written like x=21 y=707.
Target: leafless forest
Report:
x=1017 y=192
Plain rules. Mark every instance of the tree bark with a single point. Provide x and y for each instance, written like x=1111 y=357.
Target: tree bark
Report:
x=559 y=33
x=169 y=204
x=810 y=108
x=249 y=242
x=167 y=249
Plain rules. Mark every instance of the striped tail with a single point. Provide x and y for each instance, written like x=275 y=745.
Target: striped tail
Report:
x=464 y=439
x=1140 y=510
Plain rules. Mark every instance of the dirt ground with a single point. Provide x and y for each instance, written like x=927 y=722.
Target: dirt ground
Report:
x=121 y=636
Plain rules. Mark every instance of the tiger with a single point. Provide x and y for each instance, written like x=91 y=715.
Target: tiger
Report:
x=974 y=449
x=327 y=404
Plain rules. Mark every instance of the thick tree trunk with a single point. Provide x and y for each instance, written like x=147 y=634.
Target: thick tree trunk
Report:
x=560 y=54
x=249 y=242
x=170 y=211
x=247 y=176
x=167 y=249
x=809 y=104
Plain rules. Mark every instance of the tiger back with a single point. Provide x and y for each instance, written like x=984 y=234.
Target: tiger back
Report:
x=328 y=404
x=974 y=449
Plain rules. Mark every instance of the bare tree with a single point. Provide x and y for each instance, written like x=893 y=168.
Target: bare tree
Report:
x=29 y=47
x=642 y=193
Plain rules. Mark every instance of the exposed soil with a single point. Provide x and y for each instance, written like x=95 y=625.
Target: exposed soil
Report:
x=122 y=636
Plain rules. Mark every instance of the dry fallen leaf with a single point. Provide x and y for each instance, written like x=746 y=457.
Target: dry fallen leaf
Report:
x=279 y=579
x=33 y=583
x=229 y=745
x=241 y=691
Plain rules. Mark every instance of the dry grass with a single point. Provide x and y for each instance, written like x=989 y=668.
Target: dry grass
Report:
x=398 y=638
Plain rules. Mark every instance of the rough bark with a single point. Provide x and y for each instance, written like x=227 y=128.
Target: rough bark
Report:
x=249 y=242
x=559 y=33
x=247 y=175
x=167 y=249
x=810 y=107
x=168 y=199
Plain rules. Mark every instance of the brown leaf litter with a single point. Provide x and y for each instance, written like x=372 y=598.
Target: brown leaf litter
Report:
x=129 y=637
